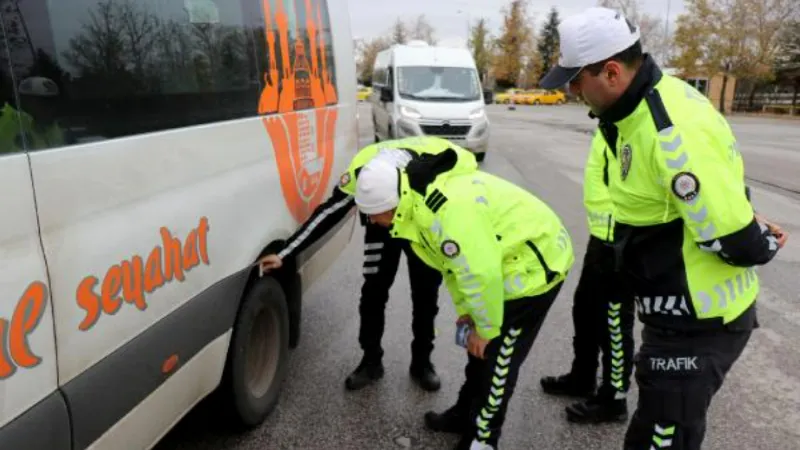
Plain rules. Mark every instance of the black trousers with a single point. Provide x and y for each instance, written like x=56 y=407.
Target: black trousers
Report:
x=381 y=259
x=603 y=315
x=490 y=382
x=678 y=374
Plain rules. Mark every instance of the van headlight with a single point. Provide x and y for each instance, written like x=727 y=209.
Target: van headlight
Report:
x=411 y=113
x=477 y=114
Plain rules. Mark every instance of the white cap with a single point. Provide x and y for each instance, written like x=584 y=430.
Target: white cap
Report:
x=394 y=156
x=377 y=187
x=586 y=38
x=38 y=86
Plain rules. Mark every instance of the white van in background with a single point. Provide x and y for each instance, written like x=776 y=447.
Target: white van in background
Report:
x=426 y=90
x=140 y=187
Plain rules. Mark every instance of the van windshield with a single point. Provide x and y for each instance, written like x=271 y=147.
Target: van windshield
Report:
x=447 y=84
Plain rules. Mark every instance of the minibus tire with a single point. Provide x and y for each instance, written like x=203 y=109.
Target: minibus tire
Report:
x=259 y=353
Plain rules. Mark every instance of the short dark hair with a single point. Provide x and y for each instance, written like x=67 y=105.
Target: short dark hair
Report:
x=630 y=57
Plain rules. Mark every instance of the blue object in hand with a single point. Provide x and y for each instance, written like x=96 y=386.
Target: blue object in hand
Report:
x=462 y=333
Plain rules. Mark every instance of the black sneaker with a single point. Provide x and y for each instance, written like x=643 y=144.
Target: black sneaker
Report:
x=365 y=374
x=569 y=386
x=425 y=376
x=598 y=410
x=454 y=420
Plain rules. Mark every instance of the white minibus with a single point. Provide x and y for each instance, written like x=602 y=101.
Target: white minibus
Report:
x=150 y=152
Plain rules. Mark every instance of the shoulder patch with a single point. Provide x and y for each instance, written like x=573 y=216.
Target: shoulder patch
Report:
x=450 y=248
x=686 y=186
x=436 y=200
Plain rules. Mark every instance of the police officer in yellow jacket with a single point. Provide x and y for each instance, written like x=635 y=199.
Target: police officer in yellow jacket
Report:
x=602 y=312
x=686 y=234
x=381 y=259
x=34 y=126
x=504 y=255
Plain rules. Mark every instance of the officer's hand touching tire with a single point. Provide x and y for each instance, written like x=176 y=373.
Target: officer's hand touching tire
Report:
x=269 y=263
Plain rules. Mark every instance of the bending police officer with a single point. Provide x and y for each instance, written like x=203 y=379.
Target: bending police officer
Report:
x=381 y=260
x=504 y=255
x=602 y=312
x=686 y=233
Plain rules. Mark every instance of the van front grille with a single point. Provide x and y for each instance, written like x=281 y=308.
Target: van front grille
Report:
x=446 y=130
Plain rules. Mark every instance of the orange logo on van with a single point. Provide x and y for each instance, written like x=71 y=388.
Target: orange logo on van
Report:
x=131 y=280
x=303 y=141
x=14 y=349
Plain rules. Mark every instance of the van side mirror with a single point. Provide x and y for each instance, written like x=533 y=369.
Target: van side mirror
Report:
x=386 y=94
x=488 y=97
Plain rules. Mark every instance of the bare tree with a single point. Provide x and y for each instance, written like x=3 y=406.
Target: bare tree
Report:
x=369 y=51
x=399 y=32
x=737 y=38
x=17 y=35
x=139 y=33
x=767 y=21
x=651 y=28
x=422 y=30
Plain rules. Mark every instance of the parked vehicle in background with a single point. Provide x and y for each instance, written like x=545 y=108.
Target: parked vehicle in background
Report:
x=545 y=97
x=363 y=93
x=504 y=98
x=142 y=185
x=531 y=97
x=427 y=90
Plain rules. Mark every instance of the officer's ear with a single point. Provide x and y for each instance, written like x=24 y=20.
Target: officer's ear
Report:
x=616 y=74
x=613 y=70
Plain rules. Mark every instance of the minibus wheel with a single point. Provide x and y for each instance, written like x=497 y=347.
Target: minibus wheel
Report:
x=259 y=352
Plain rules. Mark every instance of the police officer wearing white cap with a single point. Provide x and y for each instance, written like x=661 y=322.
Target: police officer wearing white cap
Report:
x=381 y=261
x=504 y=255
x=686 y=237
x=39 y=97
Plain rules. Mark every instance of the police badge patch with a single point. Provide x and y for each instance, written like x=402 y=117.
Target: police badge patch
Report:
x=344 y=180
x=686 y=186
x=625 y=160
x=450 y=248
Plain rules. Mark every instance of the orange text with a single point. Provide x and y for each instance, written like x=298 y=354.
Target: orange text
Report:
x=130 y=280
x=14 y=349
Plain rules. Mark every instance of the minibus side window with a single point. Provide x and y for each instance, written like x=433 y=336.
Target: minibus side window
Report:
x=11 y=135
x=88 y=70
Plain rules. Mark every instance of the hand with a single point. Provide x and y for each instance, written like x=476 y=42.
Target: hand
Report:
x=269 y=262
x=465 y=319
x=775 y=229
x=476 y=345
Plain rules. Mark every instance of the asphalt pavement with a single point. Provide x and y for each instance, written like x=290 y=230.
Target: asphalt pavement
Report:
x=542 y=148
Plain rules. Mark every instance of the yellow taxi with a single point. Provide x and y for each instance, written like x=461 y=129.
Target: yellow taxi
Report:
x=505 y=97
x=544 y=97
x=363 y=93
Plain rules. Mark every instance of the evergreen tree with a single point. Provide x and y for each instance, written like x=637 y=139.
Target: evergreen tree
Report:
x=548 y=42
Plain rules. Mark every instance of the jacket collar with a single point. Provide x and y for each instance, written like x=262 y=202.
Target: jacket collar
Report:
x=648 y=75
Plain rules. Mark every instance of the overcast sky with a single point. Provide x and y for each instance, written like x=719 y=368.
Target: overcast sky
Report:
x=450 y=17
